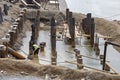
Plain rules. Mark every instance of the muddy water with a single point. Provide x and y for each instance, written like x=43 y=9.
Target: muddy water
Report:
x=63 y=55
x=25 y=47
x=81 y=44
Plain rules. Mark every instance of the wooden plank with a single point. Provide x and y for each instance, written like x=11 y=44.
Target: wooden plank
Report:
x=111 y=68
x=87 y=67
x=107 y=37
x=85 y=35
x=87 y=56
x=53 y=2
x=36 y=3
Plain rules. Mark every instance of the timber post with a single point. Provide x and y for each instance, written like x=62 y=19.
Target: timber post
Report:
x=21 y=21
x=5 y=50
x=11 y=38
x=79 y=59
x=67 y=15
x=92 y=31
x=19 y=25
x=1 y=16
x=36 y=24
x=88 y=26
x=69 y=18
x=70 y=25
x=24 y=11
x=101 y=58
x=96 y=45
x=73 y=31
x=2 y=51
x=15 y=27
x=53 y=42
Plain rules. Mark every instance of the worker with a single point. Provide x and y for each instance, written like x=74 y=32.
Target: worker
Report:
x=35 y=49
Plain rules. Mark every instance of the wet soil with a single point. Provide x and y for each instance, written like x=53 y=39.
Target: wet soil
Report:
x=25 y=68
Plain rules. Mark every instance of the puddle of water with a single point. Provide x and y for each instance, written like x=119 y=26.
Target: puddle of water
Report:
x=24 y=49
x=44 y=36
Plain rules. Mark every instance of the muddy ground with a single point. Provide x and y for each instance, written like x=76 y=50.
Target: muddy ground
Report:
x=24 y=67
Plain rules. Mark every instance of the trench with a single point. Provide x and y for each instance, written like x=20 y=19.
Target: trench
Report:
x=63 y=54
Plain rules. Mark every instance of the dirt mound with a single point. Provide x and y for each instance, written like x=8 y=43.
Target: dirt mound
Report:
x=104 y=27
x=111 y=28
x=8 y=19
x=13 y=67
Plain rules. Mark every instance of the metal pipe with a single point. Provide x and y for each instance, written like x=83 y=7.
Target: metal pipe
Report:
x=105 y=51
x=104 y=58
x=15 y=53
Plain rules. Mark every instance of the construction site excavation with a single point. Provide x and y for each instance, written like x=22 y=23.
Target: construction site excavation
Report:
x=45 y=40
